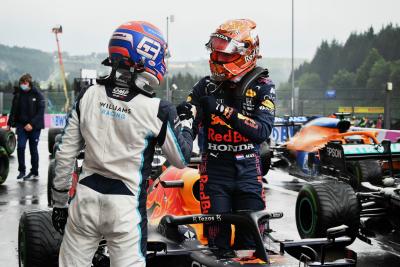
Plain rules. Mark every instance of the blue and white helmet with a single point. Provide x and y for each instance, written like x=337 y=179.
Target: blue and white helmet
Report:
x=140 y=45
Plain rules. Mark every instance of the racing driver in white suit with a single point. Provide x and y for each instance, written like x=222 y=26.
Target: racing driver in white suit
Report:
x=118 y=124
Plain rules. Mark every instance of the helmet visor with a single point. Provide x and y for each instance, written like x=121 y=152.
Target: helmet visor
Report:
x=222 y=43
x=221 y=57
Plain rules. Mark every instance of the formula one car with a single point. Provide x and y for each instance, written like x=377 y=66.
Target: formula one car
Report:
x=7 y=147
x=175 y=233
x=371 y=211
x=300 y=155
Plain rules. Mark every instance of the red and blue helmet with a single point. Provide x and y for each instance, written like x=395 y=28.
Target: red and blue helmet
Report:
x=140 y=45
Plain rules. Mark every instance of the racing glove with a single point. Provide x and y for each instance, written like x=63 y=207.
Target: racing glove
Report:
x=211 y=106
x=59 y=219
x=186 y=113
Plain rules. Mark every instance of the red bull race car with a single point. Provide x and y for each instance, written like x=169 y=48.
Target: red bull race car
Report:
x=175 y=233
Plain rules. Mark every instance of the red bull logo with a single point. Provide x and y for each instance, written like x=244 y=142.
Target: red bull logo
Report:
x=215 y=120
x=204 y=199
x=229 y=137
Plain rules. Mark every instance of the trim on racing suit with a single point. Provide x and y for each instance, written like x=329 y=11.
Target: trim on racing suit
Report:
x=142 y=226
x=105 y=185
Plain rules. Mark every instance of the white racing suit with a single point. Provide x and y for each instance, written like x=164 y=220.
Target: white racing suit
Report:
x=119 y=129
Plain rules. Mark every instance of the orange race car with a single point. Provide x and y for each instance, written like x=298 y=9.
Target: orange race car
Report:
x=355 y=180
x=301 y=154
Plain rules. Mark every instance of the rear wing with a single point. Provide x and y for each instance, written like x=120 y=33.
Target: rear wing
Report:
x=336 y=154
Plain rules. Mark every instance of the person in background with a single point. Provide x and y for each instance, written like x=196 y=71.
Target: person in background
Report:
x=369 y=123
x=363 y=122
x=27 y=116
x=379 y=122
x=357 y=121
x=353 y=121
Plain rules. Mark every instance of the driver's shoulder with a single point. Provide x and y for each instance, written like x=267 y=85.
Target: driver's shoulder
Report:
x=264 y=87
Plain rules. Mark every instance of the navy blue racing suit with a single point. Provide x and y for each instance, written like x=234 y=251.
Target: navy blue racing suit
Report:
x=230 y=173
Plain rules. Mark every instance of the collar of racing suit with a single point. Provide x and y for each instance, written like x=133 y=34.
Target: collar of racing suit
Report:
x=123 y=79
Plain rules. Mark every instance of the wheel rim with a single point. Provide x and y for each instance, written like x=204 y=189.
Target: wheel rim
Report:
x=306 y=216
x=11 y=143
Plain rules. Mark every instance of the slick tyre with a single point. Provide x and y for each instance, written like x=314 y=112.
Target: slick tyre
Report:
x=38 y=241
x=51 y=173
x=51 y=138
x=320 y=206
x=364 y=171
x=8 y=141
x=4 y=165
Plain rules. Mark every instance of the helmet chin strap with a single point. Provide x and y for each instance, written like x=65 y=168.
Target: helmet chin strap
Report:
x=131 y=79
x=141 y=82
x=238 y=78
x=141 y=85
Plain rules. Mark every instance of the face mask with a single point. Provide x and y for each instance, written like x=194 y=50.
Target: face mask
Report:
x=24 y=87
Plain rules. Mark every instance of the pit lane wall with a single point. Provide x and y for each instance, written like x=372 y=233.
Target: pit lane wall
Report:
x=279 y=134
x=50 y=120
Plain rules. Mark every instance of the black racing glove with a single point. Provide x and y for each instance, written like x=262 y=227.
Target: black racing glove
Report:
x=184 y=111
x=59 y=218
x=211 y=106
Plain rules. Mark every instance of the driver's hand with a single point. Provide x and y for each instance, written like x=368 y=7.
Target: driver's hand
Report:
x=186 y=111
x=211 y=106
x=59 y=219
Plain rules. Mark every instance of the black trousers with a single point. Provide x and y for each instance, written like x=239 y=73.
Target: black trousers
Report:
x=230 y=183
x=23 y=138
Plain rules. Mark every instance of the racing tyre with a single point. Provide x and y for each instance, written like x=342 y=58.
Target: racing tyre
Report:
x=8 y=141
x=51 y=138
x=320 y=206
x=38 y=241
x=57 y=141
x=51 y=173
x=4 y=165
x=364 y=171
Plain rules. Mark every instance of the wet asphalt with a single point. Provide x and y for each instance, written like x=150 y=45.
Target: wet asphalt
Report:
x=17 y=197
